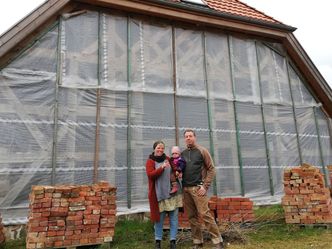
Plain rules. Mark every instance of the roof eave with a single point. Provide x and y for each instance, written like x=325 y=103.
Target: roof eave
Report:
x=196 y=15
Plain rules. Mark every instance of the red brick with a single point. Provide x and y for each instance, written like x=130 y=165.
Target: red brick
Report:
x=58 y=226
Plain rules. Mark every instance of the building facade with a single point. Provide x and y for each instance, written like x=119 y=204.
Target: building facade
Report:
x=87 y=97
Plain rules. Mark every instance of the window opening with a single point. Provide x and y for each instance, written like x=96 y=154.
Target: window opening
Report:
x=200 y=2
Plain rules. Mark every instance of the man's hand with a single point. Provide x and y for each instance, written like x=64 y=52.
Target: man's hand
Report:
x=201 y=191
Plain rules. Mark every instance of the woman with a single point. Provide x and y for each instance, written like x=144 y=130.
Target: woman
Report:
x=158 y=170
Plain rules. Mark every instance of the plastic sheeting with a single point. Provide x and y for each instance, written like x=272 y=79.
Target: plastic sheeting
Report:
x=282 y=142
x=247 y=103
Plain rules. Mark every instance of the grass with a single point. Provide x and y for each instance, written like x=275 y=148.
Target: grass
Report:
x=287 y=237
x=133 y=234
x=269 y=231
x=13 y=244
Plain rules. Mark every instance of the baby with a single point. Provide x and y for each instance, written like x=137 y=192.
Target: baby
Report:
x=178 y=164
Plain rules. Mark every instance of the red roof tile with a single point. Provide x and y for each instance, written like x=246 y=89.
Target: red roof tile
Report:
x=237 y=8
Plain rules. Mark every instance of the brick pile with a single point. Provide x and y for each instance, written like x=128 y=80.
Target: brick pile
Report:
x=224 y=210
x=63 y=216
x=233 y=209
x=306 y=199
x=2 y=233
x=183 y=222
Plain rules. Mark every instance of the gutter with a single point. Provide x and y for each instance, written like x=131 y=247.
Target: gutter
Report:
x=208 y=11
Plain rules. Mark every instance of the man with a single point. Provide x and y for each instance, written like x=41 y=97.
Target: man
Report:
x=197 y=177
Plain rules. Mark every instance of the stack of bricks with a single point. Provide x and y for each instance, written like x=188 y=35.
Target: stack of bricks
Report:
x=183 y=221
x=64 y=216
x=224 y=210
x=234 y=210
x=2 y=235
x=306 y=200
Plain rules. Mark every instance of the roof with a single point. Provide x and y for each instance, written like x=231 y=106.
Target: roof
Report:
x=235 y=7
x=234 y=10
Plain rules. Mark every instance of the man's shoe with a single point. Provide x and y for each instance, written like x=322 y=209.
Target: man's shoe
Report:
x=219 y=245
x=198 y=246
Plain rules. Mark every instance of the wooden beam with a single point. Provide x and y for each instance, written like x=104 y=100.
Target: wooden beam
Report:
x=199 y=19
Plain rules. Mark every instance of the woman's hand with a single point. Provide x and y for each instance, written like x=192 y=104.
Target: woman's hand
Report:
x=165 y=164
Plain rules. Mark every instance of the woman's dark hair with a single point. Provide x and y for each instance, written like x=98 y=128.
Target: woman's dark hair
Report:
x=158 y=142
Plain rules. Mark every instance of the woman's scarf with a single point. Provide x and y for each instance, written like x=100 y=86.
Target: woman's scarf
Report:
x=158 y=159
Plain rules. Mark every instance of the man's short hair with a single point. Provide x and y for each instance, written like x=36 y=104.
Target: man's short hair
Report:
x=189 y=130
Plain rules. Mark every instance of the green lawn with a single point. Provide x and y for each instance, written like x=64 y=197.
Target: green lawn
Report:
x=268 y=232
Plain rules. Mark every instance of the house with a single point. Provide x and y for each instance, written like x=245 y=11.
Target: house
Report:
x=87 y=86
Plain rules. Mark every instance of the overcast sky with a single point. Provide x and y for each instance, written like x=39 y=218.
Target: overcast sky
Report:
x=311 y=18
